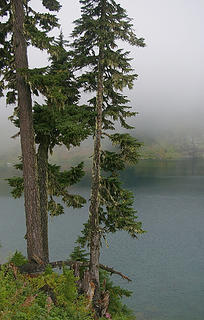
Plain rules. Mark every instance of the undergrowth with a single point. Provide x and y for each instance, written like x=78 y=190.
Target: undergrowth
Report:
x=50 y=295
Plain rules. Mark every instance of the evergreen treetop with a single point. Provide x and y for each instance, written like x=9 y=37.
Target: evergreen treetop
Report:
x=36 y=28
x=101 y=27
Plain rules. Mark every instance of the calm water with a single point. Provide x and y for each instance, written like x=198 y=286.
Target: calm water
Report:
x=166 y=264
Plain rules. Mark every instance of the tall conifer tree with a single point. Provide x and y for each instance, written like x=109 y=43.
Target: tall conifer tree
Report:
x=106 y=71
x=22 y=26
x=60 y=120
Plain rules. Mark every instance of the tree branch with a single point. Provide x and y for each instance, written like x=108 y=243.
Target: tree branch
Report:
x=35 y=268
x=113 y=271
x=59 y=264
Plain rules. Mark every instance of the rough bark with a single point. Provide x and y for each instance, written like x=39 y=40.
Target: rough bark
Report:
x=32 y=206
x=43 y=190
x=95 y=198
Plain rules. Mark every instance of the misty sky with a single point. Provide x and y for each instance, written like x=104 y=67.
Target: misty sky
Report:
x=169 y=88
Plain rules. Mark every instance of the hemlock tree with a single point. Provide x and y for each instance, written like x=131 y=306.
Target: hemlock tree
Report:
x=59 y=121
x=22 y=26
x=106 y=71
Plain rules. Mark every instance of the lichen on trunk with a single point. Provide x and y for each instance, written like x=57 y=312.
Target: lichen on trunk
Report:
x=42 y=158
x=95 y=197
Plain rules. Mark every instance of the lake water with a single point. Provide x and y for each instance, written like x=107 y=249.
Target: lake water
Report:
x=166 y=264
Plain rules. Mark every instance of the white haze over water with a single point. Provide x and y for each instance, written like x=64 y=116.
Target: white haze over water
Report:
x=169 y=90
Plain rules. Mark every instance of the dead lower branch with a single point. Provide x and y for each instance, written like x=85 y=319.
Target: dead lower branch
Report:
x=33 y=267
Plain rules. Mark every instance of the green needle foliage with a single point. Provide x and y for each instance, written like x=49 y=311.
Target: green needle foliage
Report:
x=22 y=26
x=106 y=71
x=36 y=28
x=58 y=185
x=102 y=24
x=59 y=121
x=116 y=210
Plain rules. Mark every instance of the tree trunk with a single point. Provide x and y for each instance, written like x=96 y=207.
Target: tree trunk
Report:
x=43 y=189
x=31 y=193
x=95 y=198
